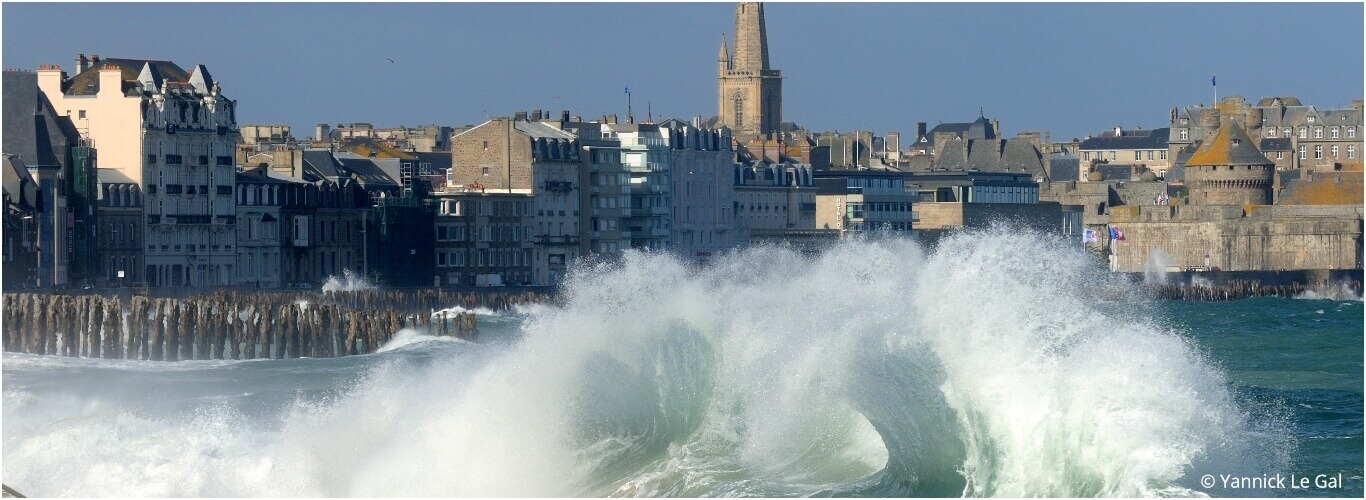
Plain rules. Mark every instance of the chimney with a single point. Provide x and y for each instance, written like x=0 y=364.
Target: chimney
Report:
x=697 y=122
x=82 y=63
x=94 y=60
x=520 y=115
x=535 y=115
x=576 y=118
x=612 y=118
x=920 y=130
x=564 y=116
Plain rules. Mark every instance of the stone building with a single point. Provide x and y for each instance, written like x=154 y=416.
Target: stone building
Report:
x=1233 y=238
x=1320 y=139
x=525 y=158
x=775 y=202
x=485 y=239
x=119 y=236
x=171 y=132
x=420 y=139
x=1227 y=169
x=749 y=94
x=704 y=199
x=1142 y=150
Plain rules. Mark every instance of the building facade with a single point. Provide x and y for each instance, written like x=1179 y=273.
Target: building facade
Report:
x=172 y=133
x=858 y=202
x=1319 y=139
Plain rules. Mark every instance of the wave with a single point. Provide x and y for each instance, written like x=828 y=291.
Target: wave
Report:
x=408 y=336
x=980 y=367
x=347 y=282
x=1336 y=290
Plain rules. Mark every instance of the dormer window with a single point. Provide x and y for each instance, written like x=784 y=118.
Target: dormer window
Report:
x=1311 y=119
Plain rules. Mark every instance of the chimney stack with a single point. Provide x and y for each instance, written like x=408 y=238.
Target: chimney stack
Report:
x=82 y=63
x=920 y=130
x=535 y=115
x=520 y=115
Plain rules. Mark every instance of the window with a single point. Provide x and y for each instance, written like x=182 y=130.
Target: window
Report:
x=1185 y=134
x=1138 y=155
x=1086 y=156
x=486 y=145
x=1280 y=155
x=1302 y=149
x=1333 y=133
x=1150 y=155
x=81 y=114
x=1351 y=132
x=1164 y=154
x=1334 y=152
x=1318 y=132
x=1271 y=132
x=739 y=113
x=1318 y=152
x=1351 y=151
x=1311 y=119
x=1304 y=133
x=1285 y=132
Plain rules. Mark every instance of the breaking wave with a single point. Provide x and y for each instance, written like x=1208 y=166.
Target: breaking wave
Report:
x=979 y=367
x=347 y=282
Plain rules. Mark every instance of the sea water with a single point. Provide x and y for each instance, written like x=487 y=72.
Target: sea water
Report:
x=995 y=363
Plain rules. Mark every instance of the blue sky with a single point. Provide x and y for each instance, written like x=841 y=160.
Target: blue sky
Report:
x=1071 y=69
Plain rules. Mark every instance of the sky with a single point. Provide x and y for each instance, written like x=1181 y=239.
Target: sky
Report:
x=1071 y=69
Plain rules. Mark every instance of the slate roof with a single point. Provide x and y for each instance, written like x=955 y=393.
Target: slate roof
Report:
x=18 y=184
x=538 y=130
x=992 y=155
x=32 y=128
x=1280 y=144
x=1063 y=167
x=1230 y=146
x=88 y=81
x=977 y=129
x=369 y=173
x=1129 y=139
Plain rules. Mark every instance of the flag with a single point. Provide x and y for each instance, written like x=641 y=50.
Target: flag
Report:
x=1089 y=236
x=627 y=91
x=1213 y=81
x=1116 y=234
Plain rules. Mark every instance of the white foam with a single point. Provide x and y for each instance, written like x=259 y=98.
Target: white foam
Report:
x=984 y=367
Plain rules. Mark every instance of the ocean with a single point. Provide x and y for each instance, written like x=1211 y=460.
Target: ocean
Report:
x=995 y=364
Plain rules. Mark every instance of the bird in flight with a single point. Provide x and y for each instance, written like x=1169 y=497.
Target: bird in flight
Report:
x=391 y=60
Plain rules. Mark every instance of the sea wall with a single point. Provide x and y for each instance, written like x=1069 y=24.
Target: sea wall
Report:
x=1255 y=238
x=235 y=325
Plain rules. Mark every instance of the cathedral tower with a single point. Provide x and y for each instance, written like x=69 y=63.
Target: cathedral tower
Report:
x=749 y=95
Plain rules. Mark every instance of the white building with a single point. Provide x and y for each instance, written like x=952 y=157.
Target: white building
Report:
x=172 y=133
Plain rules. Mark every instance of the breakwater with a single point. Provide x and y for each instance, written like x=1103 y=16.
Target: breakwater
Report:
x=1242 y=289
x=238 y=325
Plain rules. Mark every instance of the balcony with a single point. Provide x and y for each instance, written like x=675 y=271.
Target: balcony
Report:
x=191 y=219
x=558 y=186
x=549 y=240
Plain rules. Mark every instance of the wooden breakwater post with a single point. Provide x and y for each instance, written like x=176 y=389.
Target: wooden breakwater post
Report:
x=1234 y=290
x=233 y=325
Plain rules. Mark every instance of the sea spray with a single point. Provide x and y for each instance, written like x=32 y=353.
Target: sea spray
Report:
x=980 y=367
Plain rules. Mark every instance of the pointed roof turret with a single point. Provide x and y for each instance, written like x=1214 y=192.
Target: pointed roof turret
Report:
x=201 y=79
x=724 y=55
x=150 y=77
x=1230 y=146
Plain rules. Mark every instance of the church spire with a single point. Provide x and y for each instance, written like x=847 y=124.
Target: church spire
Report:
x=723 y=58
x=751 y=39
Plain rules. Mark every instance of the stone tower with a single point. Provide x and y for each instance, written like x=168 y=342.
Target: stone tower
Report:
x=1229 y=170
x=749 y=95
